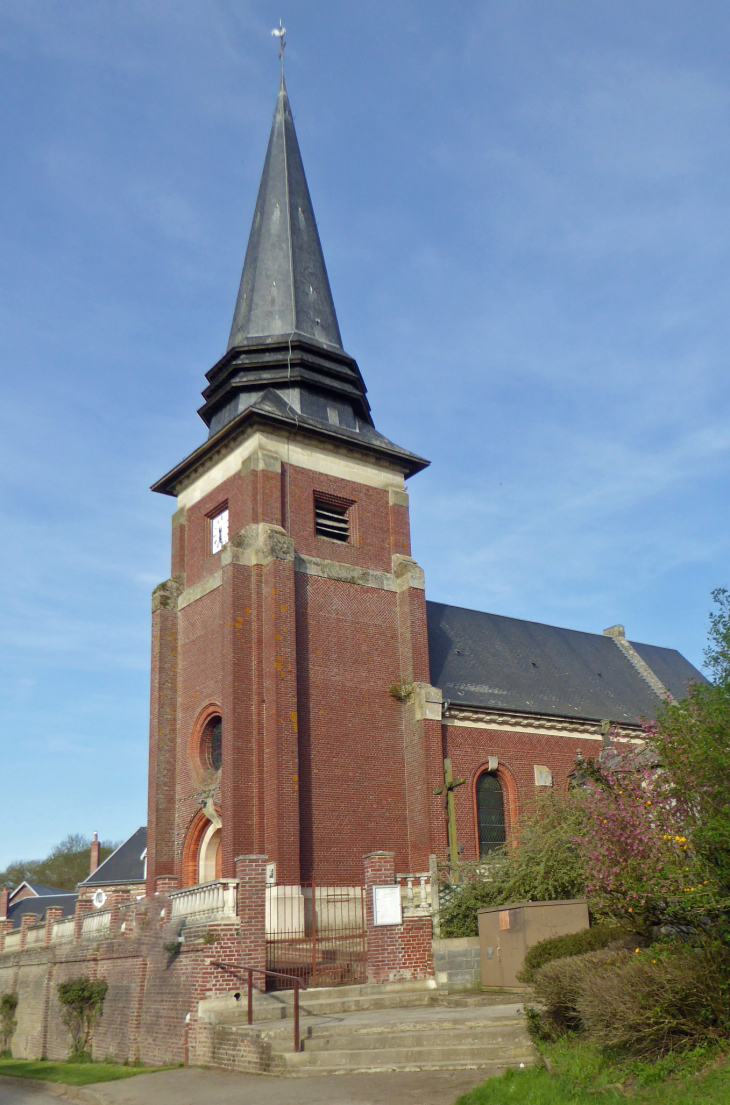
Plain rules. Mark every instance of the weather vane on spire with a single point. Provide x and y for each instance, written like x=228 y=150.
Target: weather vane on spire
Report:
x=280 y=33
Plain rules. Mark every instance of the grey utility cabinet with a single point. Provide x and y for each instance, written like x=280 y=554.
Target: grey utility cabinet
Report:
x=506 y=932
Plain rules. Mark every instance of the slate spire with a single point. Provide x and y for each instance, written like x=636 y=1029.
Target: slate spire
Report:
x=284 y=286
x=285 y=366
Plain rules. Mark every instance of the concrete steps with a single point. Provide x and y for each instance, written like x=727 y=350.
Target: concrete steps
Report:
x=335 y=1000
x=323 y=1002
x=496 y=1044
x=412 y=1037
x=403 y=1059
x=406 y=1027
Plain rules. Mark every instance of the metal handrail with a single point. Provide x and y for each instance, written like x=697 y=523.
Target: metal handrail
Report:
x=251 y=971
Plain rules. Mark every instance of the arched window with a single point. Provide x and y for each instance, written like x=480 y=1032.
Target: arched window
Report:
x=216 y=734
x=490 y=813
x=210 y=744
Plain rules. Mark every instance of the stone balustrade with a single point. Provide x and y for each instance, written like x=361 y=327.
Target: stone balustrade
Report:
x=62 y=930
x=415 y=892
x=95 y=924
x=210 y=899
x=12 y=941
x=35 y=935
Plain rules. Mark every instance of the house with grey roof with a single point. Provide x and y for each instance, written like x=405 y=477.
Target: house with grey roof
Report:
x=124 y=870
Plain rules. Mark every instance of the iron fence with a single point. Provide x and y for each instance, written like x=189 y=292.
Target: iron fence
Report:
x=316 y=934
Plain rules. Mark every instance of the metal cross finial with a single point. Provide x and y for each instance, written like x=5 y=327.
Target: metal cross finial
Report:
x=280 y=33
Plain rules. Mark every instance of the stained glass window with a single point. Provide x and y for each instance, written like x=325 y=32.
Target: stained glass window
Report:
x=490 y=813
x=216 y=736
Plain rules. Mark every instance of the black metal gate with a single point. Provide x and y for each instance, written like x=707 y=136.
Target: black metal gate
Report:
x=316 y=933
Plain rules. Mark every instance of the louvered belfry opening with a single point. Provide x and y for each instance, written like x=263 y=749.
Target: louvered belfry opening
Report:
x=331 y=520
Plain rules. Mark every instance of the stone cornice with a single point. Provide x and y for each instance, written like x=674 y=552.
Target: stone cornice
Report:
x=198 y=590
x=207 y=455
x=262 y=543
x=483 y=717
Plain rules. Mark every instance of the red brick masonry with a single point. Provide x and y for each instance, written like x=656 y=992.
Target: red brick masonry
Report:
x=394 y=951
x=156 y=982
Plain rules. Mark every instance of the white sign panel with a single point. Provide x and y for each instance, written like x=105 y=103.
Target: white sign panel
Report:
x=386 y=905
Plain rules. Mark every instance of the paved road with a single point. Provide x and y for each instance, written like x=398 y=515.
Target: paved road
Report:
x=201 y=1087
x=26 y=1093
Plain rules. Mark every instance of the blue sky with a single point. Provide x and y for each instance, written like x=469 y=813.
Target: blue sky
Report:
x=524 y=212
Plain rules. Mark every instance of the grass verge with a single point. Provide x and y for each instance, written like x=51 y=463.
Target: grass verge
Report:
x=581 y=1074
x=71 y=1074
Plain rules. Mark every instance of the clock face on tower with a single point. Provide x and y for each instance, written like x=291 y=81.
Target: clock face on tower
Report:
x=219 y=531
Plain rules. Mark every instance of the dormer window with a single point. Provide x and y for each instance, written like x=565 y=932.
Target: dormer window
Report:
x=219 y=530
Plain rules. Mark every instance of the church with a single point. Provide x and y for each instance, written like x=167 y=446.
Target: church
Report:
x=325 y=742
x=308 y=703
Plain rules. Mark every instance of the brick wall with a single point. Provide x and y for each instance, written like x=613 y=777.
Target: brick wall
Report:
x=394 y=951
x=373 y=542
x=350 y=728
x=518 y=753
x=163 y=742
x=300 y=667
x=200 y=689
x=251 y=875
x=151 y=990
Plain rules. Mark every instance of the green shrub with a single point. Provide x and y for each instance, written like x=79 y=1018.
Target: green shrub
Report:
x=575 y=943
x=82 y=1001
x=8 y=1023
x=659 y=1001
x=558 y=987
x=645 y=1003
x=459 y=917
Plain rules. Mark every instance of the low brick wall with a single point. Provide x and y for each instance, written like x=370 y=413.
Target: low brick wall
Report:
x=457 y=963
x=238 y=1049
x=150 y=993
x=395 y=952
x=156 y=982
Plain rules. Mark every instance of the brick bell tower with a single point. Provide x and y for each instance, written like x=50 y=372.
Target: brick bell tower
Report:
x=291 y=714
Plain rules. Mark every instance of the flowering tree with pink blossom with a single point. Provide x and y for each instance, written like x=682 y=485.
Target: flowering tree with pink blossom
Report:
x=657 y=821
x=640 y=860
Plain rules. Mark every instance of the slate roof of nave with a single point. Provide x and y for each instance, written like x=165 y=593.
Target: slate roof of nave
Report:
x=491 y=661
